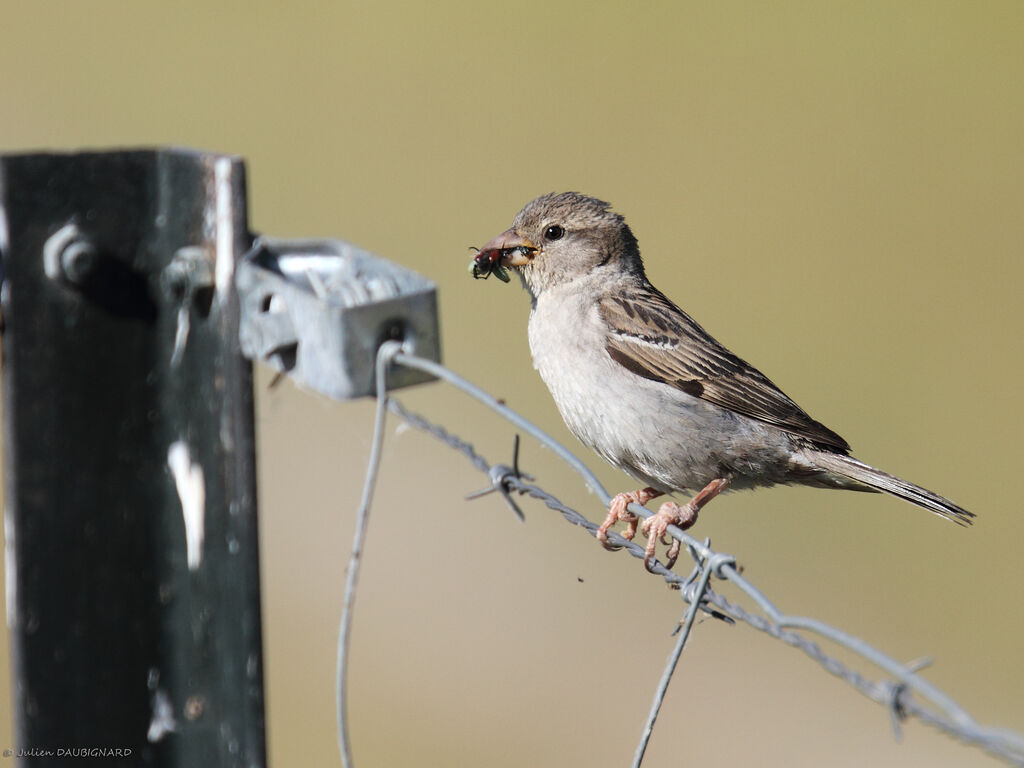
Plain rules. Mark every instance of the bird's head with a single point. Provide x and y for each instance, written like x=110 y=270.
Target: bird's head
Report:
x=560 y=237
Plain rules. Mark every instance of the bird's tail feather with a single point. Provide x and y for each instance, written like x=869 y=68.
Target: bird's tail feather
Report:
x=847 y=466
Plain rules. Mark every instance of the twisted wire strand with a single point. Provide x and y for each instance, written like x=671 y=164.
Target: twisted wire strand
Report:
x=903 y=695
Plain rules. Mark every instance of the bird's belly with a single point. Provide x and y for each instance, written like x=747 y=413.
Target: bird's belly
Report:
x=661 y=436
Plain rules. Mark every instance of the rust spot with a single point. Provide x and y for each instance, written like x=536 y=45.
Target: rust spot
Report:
x=194 y=707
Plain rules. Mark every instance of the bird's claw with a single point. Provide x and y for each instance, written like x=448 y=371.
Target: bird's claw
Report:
x=618 y=511
x=655 y=528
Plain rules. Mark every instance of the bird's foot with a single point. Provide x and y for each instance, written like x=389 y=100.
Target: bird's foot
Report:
x=654 y=528
x=617 y=511
x=682 y=516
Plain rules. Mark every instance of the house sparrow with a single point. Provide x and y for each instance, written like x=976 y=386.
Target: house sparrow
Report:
x=637 y=380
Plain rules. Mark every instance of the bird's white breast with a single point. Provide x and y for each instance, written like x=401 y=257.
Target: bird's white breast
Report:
x=658 y=434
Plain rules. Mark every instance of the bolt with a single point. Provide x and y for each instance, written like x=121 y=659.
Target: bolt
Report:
x=191 y=269
x=79 y=260
x=68 y=255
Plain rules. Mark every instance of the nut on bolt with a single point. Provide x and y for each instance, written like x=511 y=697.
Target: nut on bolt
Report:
x=69 y=255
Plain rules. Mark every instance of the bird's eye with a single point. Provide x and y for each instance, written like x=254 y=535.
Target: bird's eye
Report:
x=554 y=232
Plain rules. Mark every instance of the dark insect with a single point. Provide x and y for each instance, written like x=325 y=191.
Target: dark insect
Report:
x=487 y=263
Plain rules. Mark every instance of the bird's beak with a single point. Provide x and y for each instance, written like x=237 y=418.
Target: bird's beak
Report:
x=515 y=251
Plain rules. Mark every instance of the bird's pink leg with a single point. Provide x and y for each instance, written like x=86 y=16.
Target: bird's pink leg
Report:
x=682 y=517
x=617 y=511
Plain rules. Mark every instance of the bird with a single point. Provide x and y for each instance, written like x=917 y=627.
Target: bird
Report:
x=638 y=381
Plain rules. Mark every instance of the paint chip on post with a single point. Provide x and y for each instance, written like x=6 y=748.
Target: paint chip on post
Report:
x=188 y=478
x=163 y=721
x=224 y=270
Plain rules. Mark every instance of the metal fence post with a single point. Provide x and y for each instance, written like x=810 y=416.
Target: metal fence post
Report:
x=132 y=560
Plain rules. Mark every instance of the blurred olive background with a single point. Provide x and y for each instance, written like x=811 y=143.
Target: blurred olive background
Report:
x=835 y=190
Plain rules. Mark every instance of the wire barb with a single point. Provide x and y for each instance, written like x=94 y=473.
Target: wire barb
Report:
x=689 y=587
x=501 y=476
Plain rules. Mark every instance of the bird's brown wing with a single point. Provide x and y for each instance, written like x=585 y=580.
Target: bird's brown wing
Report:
x=651 y=337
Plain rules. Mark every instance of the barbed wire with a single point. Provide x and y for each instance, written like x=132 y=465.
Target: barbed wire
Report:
x=905 y=694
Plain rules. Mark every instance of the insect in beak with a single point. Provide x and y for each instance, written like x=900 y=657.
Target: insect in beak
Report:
x=490 y=261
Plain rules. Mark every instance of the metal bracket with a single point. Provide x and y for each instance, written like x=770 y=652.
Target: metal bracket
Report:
x=318 y=310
